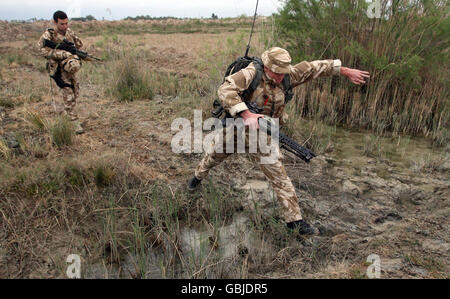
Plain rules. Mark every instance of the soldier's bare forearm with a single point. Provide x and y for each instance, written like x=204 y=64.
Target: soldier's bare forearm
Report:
x=343 y=71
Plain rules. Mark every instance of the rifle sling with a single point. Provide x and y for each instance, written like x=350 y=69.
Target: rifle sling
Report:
x=58 y=79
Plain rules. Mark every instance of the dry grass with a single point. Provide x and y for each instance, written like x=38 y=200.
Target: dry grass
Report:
x=430 y=164
x=5 y=151
x=36 y=120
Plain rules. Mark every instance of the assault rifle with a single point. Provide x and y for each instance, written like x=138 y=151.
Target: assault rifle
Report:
x=265 y=124
x=69 y=47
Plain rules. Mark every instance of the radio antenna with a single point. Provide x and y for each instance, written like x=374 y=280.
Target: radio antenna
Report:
x=251 y=32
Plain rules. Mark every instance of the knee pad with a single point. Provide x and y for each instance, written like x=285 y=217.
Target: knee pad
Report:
x=72 y=65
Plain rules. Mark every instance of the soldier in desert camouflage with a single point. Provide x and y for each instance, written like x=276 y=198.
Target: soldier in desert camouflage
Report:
x=270 y=96
x=63 y=65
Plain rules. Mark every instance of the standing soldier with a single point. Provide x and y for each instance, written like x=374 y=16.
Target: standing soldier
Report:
x=63 y=65
x=270 y=96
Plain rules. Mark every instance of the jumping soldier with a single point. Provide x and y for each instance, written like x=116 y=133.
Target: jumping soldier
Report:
x=270 y=96
x=63 y=65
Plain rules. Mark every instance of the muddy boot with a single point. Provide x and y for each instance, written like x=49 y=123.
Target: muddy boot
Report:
x=303 y=227
x=193 y=184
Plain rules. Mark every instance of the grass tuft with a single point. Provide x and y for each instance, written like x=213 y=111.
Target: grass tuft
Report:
x=131 y=83
x=62 y=132
x=103 y=175
x=36 y=120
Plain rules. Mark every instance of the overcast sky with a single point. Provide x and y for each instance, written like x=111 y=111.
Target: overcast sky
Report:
x=118 y=9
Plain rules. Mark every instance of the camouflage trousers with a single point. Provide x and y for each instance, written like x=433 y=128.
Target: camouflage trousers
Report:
x=69 y=68
x=274 y=171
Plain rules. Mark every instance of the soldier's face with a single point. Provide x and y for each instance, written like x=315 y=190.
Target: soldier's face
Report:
x=62 y=25
x=278 y=78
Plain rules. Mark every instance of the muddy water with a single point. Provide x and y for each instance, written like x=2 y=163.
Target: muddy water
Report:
x=390 y=158
x=198 y=249
x=358 y=199
x=402 y=150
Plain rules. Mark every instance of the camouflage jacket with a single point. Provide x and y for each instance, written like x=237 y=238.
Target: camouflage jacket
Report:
x=269 y=95
x=54 y=55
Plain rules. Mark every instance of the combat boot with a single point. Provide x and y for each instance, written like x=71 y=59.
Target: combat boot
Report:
x=78 y=128
x=193 y=183
x=303 y=227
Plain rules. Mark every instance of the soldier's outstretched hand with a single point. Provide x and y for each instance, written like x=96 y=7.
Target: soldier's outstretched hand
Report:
x=355 y=76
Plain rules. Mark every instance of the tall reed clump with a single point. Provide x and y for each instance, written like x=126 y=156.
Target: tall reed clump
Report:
x=404 y=51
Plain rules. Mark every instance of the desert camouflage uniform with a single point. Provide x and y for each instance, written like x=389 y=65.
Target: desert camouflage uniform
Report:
x=270 y=96
x=69 y=65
